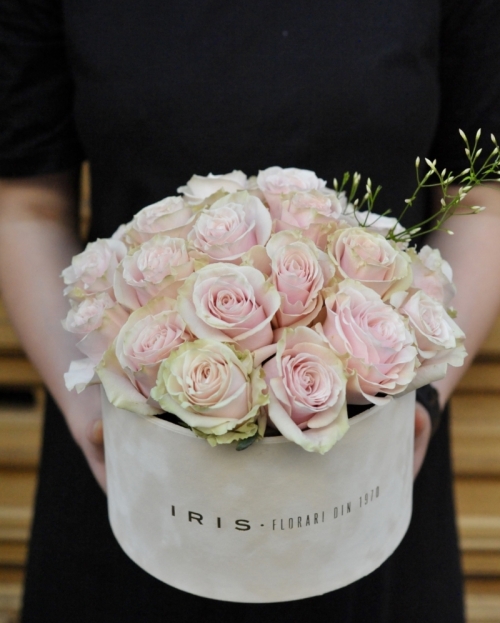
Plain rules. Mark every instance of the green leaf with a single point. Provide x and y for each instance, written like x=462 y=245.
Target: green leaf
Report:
x=246 y=443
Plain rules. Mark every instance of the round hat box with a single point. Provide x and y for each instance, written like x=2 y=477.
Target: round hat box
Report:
x=270 y=523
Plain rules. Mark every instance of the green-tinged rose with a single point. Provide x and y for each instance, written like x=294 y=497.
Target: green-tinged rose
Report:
x=214 y=389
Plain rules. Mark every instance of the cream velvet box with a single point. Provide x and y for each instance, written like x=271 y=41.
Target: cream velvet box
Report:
x=271 y=523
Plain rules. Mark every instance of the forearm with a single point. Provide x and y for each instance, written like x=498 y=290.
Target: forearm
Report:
x=37 y=240
x=474 y=254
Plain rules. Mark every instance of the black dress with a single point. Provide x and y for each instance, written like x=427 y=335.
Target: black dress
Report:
x=155 y=91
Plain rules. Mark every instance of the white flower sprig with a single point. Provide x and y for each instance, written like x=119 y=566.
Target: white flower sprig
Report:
x=474 y=175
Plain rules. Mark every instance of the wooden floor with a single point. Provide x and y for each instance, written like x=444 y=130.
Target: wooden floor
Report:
x=476 y=452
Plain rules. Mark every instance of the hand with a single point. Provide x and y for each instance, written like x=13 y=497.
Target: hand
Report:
x=85 y=422
x=423 y=428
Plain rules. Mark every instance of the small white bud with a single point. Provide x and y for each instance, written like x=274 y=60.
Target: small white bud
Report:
x=478 y=152
x=493 y=139
x=335 y=183
x=465 y=171
x=478 y=134
x=496 y=150
x=443 y=172
x=449 y=232
x=407 y=200
x=467 y=151
x=417 y=162
x=443 y=201
x=477 y=209
x=462 y=134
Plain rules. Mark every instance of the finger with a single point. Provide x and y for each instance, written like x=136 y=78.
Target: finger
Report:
x=420 y=422
x=422 y=436
x=95 y=433
x=99 y=471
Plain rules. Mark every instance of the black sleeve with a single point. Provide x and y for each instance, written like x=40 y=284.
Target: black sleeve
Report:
x=37 y=130
x=470 y=78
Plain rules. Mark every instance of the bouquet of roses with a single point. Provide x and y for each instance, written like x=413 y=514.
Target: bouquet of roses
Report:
x=272 y=301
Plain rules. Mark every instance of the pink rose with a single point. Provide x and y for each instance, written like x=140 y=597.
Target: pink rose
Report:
x=200 y=187
x=315 y=213
x=439 y=340
x=98 y=320
x=93 y=270
x=214 y=389
x=229 y=303
x=302 y=209
x=275 y=181
x=370 y=259
x=278 y=181
x=299 y=272
x=156 y=268
x=87 y=314
x=307 y=390
x=375 y=340
x=432 y=274
x=230 y=227
x=130 y=366
x=171 y=216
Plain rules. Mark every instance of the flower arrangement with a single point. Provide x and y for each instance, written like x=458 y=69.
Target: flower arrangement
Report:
x=266 y=305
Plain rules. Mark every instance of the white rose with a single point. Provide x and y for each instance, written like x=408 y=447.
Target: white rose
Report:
x=200 y=187
x=278 y=181
x=93 y=270
x=439 y=340
x=98 y=319
x=374 y=222
x=156 y=268
x=171 y=216
x=432 y=274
